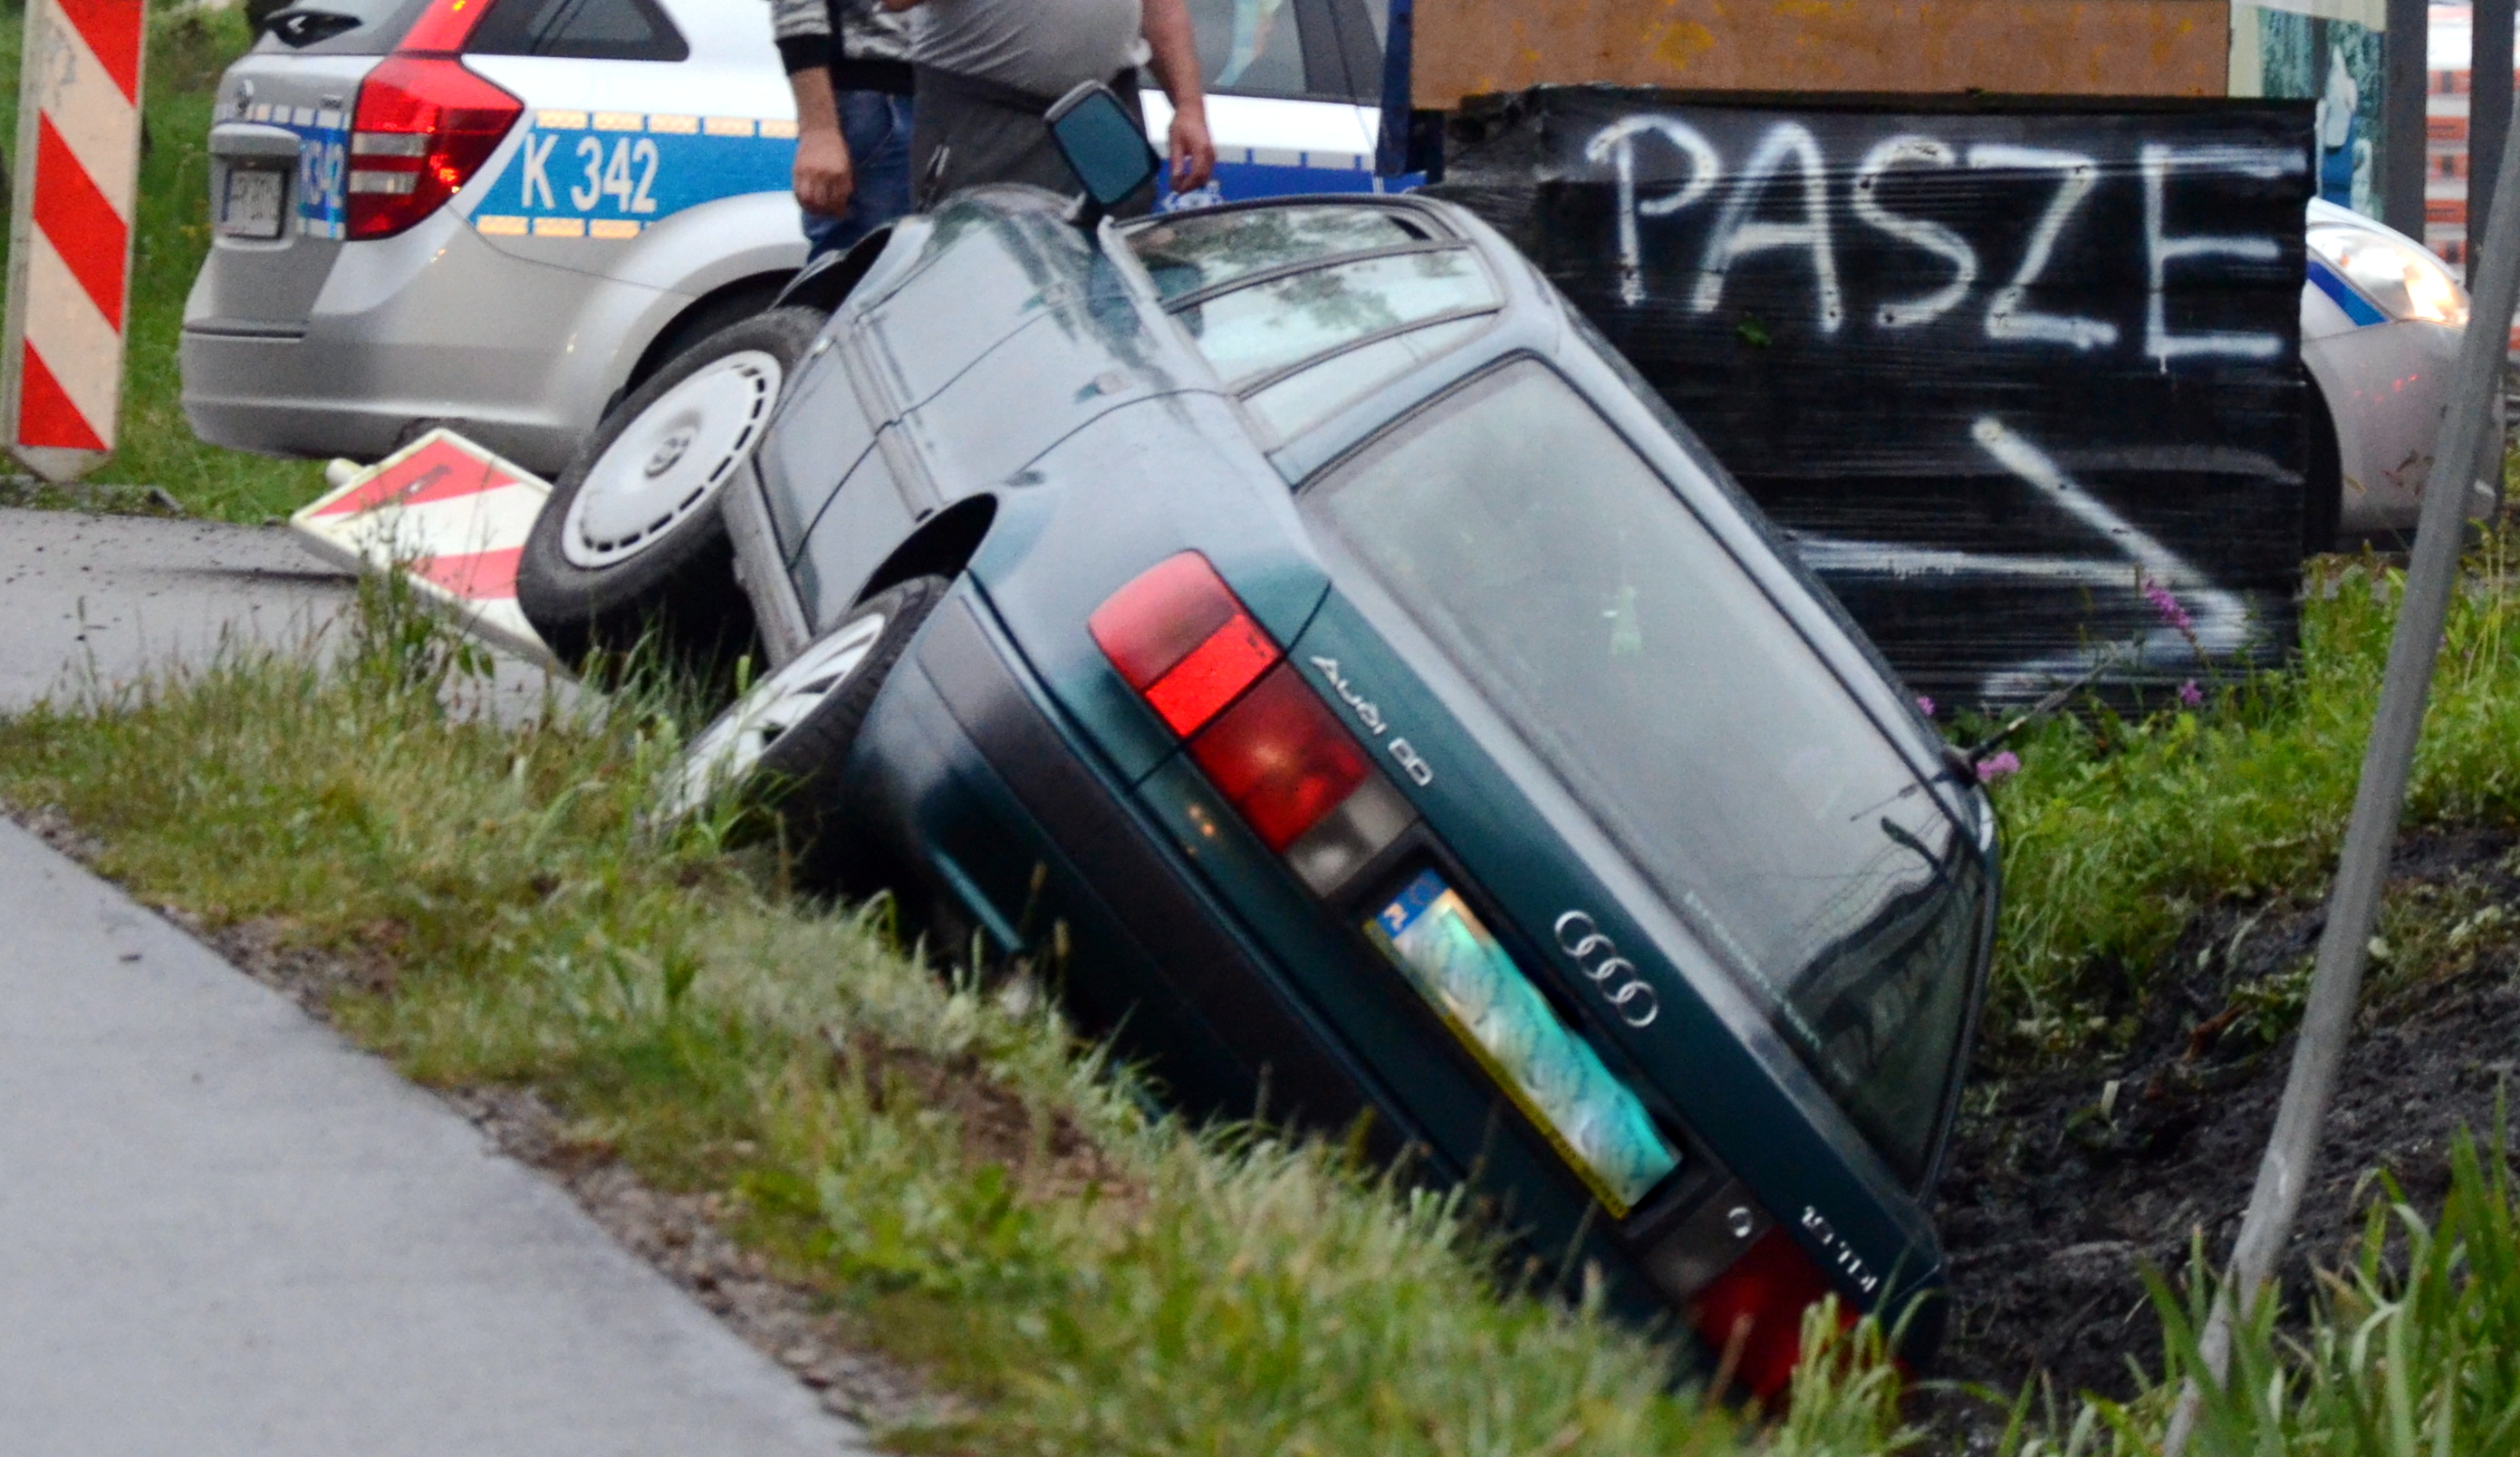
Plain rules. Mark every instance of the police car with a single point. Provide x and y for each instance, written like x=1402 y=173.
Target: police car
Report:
x=501 y=215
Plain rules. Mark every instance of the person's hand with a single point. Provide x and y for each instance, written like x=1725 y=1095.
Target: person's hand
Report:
x=824 y=176
x=1194 y=154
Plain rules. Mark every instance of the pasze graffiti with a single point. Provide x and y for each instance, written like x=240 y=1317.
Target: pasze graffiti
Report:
x=2023 y=382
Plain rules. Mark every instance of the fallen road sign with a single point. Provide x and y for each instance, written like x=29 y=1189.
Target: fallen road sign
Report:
x=452 y=519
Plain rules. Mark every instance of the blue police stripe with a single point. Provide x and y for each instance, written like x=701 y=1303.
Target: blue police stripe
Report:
x=614 y=181
x=2356 y=307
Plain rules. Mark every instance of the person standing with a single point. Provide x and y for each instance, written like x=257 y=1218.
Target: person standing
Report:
x=987 y=69
x=847 y=62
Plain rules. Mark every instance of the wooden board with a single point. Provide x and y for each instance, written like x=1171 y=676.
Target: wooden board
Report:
x=2023 y=47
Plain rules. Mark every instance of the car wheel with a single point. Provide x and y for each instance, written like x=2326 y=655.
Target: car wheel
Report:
x=631 y=541
x=792 y=730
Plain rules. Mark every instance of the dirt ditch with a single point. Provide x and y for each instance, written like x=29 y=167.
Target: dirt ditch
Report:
x=2065 y=1184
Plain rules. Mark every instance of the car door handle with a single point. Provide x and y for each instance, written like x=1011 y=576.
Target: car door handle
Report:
x=253 y=139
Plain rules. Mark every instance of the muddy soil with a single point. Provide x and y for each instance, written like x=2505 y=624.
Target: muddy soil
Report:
x=2059 y=1191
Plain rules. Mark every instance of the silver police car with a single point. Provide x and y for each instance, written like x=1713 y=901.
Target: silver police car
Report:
x=499 y=215
x=506 y=214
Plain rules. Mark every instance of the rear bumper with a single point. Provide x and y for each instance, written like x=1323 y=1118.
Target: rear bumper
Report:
x=435 y=326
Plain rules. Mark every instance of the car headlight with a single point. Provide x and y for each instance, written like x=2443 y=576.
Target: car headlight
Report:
x=2407 y=282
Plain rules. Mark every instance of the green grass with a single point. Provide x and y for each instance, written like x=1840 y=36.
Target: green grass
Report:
x=941 y=1158
x=188 y=49
x=940 y=1155
x=2117 y=831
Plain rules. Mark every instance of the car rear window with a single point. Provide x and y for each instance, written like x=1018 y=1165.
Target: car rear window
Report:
x=582 y=29
x=1320 y=49
x=341 y=27
x=1593 y=610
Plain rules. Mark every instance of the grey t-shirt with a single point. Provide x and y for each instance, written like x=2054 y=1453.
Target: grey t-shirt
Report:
x=1044 y=46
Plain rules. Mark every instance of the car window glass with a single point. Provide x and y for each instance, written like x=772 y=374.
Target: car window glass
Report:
x=345 y=28
x=1595 y=614
x=1269 y=325
x=580 y=29
x=1308 y=397
x=1249 y=47
x=1209 y=249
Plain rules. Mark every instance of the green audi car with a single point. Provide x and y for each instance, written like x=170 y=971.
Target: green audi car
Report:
x=1290 y=622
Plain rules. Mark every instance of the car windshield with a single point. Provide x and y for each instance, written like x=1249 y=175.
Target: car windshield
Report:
x=1636 y=657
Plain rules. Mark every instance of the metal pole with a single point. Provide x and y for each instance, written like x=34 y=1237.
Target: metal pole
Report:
x=2401 y=117
x=2489 y=113
x=2466 y=448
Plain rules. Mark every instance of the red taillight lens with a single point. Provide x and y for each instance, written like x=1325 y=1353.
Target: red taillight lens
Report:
x=1180 y=637
x=1268 y=743
x=422 y=127
x=1280 y=757
x=1754 y=1311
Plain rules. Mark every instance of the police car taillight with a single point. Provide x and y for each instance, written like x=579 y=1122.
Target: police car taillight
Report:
x=423 y=126
x=1180 y=638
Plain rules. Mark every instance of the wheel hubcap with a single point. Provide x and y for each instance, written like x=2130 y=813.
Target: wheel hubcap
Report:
x=667 y=464
x=730 y=749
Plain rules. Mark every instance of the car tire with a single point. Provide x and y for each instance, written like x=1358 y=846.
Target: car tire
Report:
x=632 y=541
x=792 y=730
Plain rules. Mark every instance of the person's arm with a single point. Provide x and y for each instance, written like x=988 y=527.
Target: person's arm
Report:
x=823 y=177
x=1176 y=66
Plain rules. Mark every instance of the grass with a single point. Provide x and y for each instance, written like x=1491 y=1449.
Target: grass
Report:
x=988 y=1200
x=939 y=1156
x=2413 y=1351
x=2117 y=830
x=187 y=49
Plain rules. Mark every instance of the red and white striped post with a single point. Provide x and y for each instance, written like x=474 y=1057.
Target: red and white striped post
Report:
x=69 y=233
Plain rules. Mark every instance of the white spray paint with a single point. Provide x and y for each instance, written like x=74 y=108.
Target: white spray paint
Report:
x=2158 y=161
x=2005 y=318
x=1932 y=237
x=1740 y=232
x=1616 y=144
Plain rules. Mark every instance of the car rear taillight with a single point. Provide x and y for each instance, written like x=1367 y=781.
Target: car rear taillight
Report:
x=1752 y=1314
x=423 y=126
x=1263 y=737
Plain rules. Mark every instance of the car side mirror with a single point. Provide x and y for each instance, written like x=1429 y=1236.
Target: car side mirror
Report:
x=1104 y=147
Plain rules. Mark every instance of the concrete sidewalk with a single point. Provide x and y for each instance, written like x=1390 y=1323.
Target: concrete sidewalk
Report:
x=227 y=1232
x=224 y=1231
x=102 y=599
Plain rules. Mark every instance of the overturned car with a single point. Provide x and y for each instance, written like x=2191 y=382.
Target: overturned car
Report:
x=1290 y=620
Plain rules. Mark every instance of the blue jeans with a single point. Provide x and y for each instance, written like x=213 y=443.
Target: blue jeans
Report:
x=877 y=126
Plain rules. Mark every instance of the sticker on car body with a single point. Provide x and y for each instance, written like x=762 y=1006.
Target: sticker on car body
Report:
x=323 y=161
x=609 y=175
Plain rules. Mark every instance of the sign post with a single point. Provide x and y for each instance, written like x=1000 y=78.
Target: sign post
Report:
x=69 y=233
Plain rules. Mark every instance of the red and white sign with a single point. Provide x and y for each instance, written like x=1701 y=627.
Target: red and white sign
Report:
x=69 y=233
x=451 y=517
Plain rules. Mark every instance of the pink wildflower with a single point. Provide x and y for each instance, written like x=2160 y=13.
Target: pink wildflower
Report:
x=1924 y=706
x=2191 y=695
x=2167 y=604
x=1999 y=767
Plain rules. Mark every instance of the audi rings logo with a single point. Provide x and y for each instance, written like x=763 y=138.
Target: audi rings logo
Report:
x=1618 y=981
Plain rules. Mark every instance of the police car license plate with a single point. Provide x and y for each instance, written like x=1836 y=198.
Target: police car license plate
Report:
x=252 y=207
